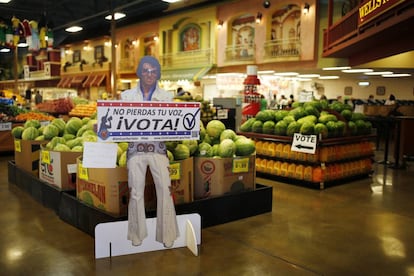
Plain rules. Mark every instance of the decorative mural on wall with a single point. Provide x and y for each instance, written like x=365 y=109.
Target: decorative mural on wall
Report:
x=242 y=34
x=128 y=49
x=285 y=32
x=190 y=38
x=149 y=45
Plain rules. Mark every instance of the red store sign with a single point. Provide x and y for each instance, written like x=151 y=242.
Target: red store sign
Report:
x=372 y=8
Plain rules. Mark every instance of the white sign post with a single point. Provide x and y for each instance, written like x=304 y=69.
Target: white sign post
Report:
x=304 y=143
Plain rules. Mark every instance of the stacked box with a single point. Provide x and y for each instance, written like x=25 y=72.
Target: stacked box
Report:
x=58 y=168
x=220 y=176
x=106 y=189
x=27 y=155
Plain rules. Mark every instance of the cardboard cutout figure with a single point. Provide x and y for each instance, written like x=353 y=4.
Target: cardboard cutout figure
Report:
x=153 y=155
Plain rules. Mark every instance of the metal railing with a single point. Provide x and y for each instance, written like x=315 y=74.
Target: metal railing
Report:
x=242 y=53
x=282 y=48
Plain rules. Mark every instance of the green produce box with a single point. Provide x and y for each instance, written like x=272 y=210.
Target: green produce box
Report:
x=58 y=168
x=219 y=176
x=27 y=155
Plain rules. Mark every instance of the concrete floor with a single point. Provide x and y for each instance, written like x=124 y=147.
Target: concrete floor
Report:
x=361 y=228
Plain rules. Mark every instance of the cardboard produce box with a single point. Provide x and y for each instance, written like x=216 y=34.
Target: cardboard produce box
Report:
x=182 y=183
x=106 y=189
x=58 y=168
x=219 y=176
x=27 y=155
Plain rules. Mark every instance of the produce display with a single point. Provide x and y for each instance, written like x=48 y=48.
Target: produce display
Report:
x=62 y=136
x=8 y=112
x=207 y=111
x=344 y=157
x=316 y=117
x=83 y=110
x=215 y=141
x=57 y=106
x=33 y=115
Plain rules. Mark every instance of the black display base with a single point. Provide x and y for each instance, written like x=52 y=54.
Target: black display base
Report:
x=213 y=211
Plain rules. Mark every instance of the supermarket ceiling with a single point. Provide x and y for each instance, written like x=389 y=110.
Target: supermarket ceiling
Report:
x=90 y=14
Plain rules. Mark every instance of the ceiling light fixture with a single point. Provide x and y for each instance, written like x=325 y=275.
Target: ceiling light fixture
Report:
x=378 y=73
x=117 y=15
x=396 y=75
x=357 y=70
x=266 y=72
x=309 y=76
x=171 y=1
x=286 y=74
x=336 y=68
x=74 y=29
x=4 y=1
x=364 y=83
x=329 y=77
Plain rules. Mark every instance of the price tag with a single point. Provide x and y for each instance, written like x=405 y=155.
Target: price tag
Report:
x=45 y=157
x=222 y=114
x=72 y=168
x=175 y=171
x=17 y=146
x=5 y=126
x=240 y=165
x=83 y=172
x=44 y=123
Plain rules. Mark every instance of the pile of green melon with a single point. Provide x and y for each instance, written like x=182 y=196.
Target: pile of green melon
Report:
x=65 y=136
x=315 y=117
x=215 y=141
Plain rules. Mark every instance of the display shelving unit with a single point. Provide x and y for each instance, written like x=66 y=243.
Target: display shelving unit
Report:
x=336 y=160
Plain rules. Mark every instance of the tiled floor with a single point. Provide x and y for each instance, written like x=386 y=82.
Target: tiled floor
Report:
x=361 y=228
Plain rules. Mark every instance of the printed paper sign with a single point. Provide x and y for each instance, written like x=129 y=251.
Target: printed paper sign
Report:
x=304 y=143
x=121 y=121
x=99 y=155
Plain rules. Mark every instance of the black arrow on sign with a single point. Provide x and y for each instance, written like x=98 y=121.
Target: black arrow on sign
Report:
x=303 y=147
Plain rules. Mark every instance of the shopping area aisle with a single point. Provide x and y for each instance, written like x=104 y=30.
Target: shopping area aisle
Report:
x=362 y=228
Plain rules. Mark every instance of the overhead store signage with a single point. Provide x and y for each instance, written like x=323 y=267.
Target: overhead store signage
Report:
x=372 y=8
x=304 y=143
x=120 y=121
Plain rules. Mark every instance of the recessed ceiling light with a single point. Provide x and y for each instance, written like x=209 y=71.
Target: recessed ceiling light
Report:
x=171 y=1
x=336 y=68
x=378 y=73
x=328 y=77
x=396 y=75
x=266 y=72
x=309 y=76
x=117 y=15
x=74 y=29
x=357 y=70
x=363 y=83
x=4 y=1
x=286 y=74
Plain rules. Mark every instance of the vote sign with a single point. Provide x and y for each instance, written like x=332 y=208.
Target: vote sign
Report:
x=121 y=121
x=304 y=143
